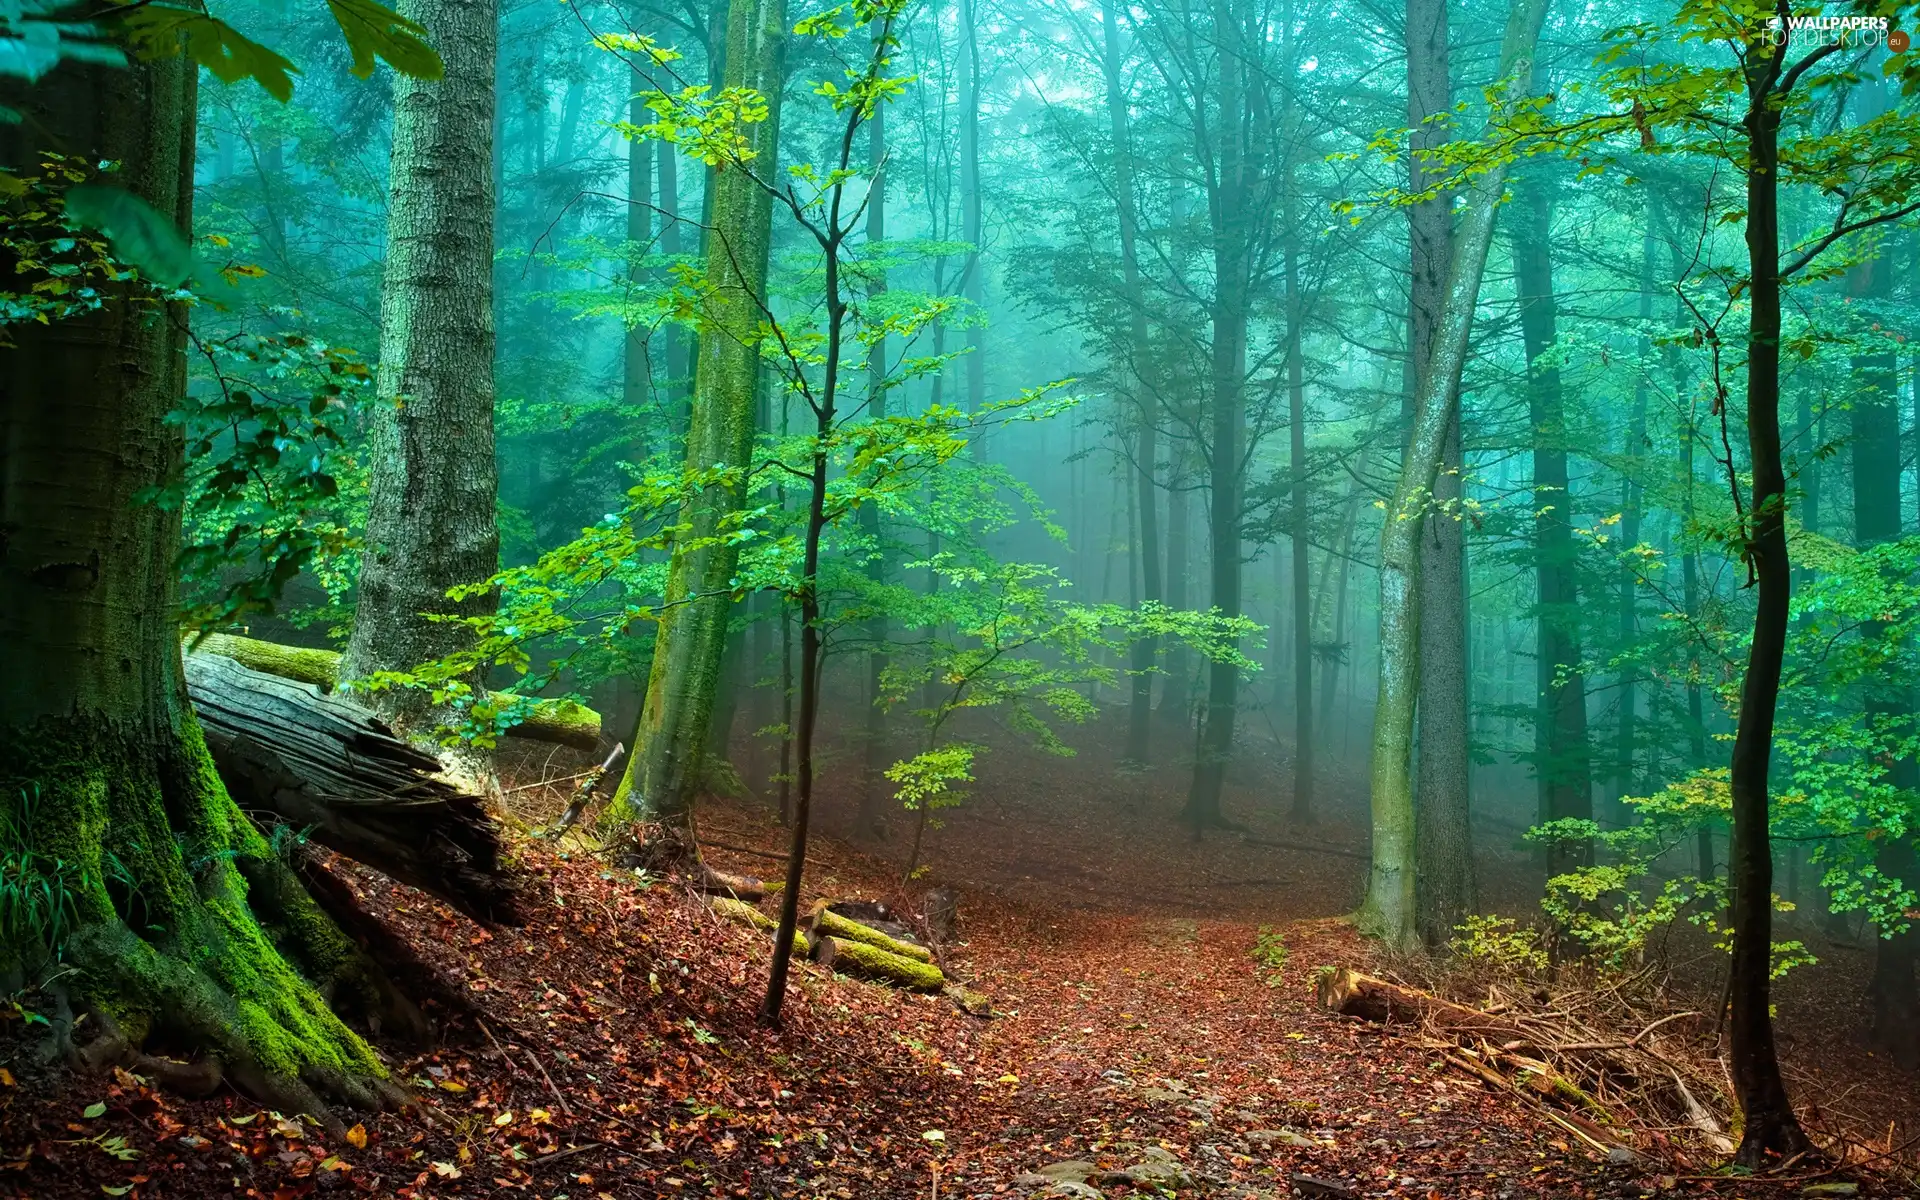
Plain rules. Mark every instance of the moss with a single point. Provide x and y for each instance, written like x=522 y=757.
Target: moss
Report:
x=869 y=960
x=169 y=942
x=747 y=914
x=562 y=721
x=827 y=921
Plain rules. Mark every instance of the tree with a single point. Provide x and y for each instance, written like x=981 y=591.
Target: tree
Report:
x=1388 y=909
x=663 y=776
x=430 y=518
x=181 y=917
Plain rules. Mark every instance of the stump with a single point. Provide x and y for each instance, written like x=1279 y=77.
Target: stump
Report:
x=328 y=769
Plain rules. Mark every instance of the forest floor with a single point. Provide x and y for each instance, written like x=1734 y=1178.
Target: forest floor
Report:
x=609 y=1048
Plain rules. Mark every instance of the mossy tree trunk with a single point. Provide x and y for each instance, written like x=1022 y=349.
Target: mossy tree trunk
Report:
x=1387 y=912
x=430 y=520
x=184 y=924
x=663 y=775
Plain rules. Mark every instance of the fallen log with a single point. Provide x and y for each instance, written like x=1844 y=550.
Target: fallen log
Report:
x=871 y=962
x=329 y=770
x=560 y=721
x=824 y=920
x=1370 y=998
x=746 y=914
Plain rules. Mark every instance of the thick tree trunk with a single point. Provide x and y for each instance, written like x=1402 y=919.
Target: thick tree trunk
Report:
x=1146 y=397
x=1388 y=909
x=1769 y=1124
x=663 y=776
x=430 y=518
x=184 y=923
x=677 y=389
x=1561 y=761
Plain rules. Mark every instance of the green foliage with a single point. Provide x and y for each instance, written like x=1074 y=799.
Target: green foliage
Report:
x=1500 y=945
x=60 y=269
x=160 y=30
x=1270 y=953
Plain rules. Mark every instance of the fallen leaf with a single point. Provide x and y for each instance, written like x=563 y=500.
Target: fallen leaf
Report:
x=446 y=1170
x=505 y=1118
x=357 y=1137
x=96 y=1109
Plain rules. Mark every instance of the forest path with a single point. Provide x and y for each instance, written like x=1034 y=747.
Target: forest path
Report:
x=1138 y=1037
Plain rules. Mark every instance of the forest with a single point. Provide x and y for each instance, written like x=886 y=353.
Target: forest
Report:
x=897 y=598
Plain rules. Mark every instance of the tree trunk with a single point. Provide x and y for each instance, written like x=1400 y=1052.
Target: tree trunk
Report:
x=678 y=387
x=636 y=389
x=1626 y=733
x=1229 y=203
x=183 y=921
x=1388 y=910
x=1443 y=841
x=873 y=781
x=430 y=516
x=1146 y=399
x=663 y=775
x=1301 y=532
x=1174 y=694
x=1560 y=722
x=973 y=281
x=1769 y=1124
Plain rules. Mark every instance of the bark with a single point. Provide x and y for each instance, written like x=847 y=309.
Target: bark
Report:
x=561 y=721
x=1231 y=201
x=636 y=388
x=1388 y=909
x=1560 y=723
x=1626 y=733
x=663 y=775
x=328 y=770
x=679 y=383
x=1300 y=535
x=1146 y=399
x=184 y=923
x=874 y=783
x=1769 y=1126
x=1175 y=693
x=972 y=276
x=871 y=962
x=430 y=518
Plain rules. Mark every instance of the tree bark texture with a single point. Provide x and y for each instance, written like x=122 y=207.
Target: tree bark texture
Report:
x=663 y=775
x=1387 y=912
x=185 y=923
x=1561 y=762
x=432 y=494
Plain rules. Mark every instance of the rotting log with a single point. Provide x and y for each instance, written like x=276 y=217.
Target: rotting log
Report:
x=968 y=1001
x=329 y=770
x=823 y=920
x=561 y=721
x=746 y=914
x=1370 y=998
x=721 y=883
x=871 y=962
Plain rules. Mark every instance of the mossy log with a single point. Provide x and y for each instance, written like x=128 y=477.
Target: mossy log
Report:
x=871 y=962
x=823 y=920
x=328 y=769
x=561 y=721
x=747 y=914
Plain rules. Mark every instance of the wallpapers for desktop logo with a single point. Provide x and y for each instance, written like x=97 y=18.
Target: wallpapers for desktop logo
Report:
x=1851 y=32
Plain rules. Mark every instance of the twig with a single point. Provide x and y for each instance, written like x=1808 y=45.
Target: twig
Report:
x=499 y=1049
x=557 y=1097
x=557 y=1155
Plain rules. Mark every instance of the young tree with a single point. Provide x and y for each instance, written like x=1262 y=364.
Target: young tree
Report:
x=1388 y=909
x=430 y=518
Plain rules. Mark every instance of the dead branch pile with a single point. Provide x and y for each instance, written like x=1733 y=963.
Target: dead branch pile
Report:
x=1649 y=1092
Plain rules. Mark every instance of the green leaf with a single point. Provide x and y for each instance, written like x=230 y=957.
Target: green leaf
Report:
x=374 y=31
x=141 y=234
x=96 y=1109
x=160 y=31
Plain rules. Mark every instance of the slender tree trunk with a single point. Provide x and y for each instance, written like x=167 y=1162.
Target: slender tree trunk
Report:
x=1227 y=375
x=637 y=367
x=873 y=781
x=1174 y=694
x=973 y=276
x=677 y=388
x=1301 y=533
x=1146 y=447
x=1561 y=759
x=1388 y=910
x=184 y=924
x=430 y=516
x=1769 y=1126
x=1626 y=734
x=663 y=774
